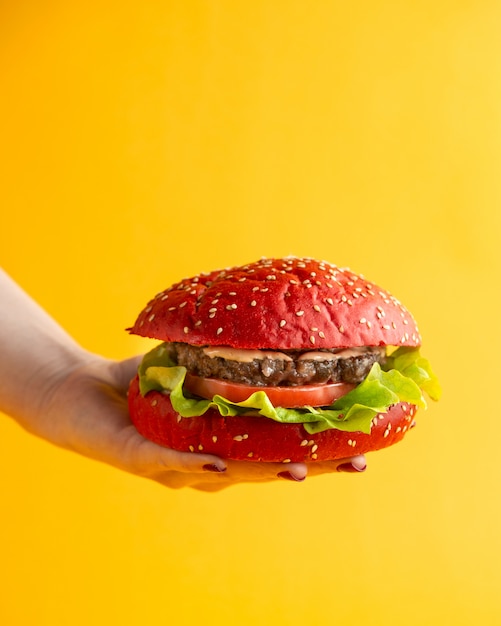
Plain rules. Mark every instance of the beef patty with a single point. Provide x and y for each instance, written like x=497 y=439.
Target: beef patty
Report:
x=272 y=368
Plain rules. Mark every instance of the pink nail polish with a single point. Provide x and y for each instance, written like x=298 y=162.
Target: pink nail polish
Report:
x=212 y=467
x=289 y=476
x=350 y=468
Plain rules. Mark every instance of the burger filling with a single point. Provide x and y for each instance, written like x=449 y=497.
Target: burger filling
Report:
x=272 y=368
x=400 y=376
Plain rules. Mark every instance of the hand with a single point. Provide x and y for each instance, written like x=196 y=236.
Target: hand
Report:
x=86 y=411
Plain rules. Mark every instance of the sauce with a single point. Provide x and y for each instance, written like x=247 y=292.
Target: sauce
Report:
x=247 y=356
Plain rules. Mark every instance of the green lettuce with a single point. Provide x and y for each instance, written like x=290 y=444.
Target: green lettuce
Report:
x=403 y=378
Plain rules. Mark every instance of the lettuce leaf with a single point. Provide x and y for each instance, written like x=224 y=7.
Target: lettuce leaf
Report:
x=410 y=363
x=403 y=379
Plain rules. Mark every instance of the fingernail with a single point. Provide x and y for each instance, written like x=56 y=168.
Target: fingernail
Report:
x=349 y=467
x=289 y=476
x=212 y=467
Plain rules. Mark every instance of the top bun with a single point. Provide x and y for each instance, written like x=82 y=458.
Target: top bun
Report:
x=288 y=303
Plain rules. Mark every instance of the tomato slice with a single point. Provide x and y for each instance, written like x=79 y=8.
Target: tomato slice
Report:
x=289 y=397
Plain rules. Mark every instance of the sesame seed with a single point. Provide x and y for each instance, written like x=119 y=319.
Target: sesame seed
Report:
x=154 y=402
x=363 y=320
x=215 y=301
x=183 y=304
x=329 y=301
x=341 y=329
x=151 y=317
x=213 y=310
x=172 y=308
x=191 y=449
x=253 y=303
x=314 y=448
x=316 y=307
x=186 y=330
x=286 y=461
x=312 y=339
x=282 y=323
x=219 y=330
x=304 y=443
x=200 y=447
x=299 y=313
x=321 y=334
x=314 y=456
x=214 y=438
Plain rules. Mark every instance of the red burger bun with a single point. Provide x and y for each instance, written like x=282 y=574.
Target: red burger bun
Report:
x=256 y=438
x=275 y=304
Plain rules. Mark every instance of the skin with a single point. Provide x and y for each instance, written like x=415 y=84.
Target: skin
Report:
x=76 y=400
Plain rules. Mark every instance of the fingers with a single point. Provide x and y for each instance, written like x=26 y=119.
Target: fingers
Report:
x=211 y=473
x=153 y=459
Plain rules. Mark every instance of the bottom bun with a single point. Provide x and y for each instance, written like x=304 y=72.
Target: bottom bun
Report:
x=256 y=438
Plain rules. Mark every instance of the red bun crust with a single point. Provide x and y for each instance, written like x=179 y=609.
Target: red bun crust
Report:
x=288 y=303
x=258 y=438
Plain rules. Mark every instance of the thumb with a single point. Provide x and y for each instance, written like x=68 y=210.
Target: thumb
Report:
x=124 y=371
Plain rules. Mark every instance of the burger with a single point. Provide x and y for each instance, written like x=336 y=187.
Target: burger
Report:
x=281 y=360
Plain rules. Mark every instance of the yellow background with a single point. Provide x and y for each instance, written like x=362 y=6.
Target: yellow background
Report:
x=142 y=142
